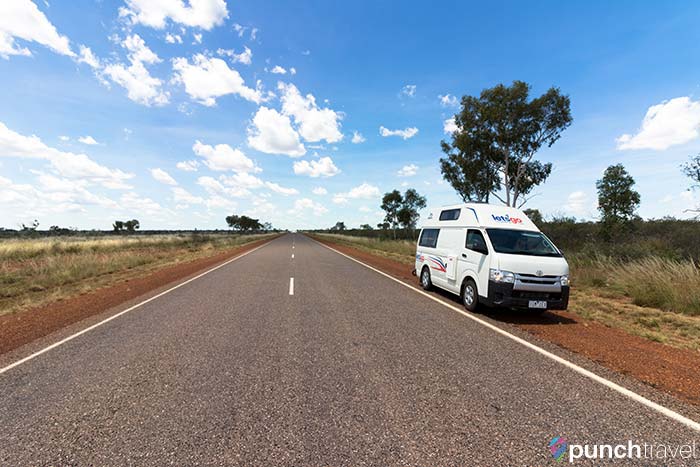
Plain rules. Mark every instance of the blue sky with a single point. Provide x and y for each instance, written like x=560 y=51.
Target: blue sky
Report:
x=179 y=115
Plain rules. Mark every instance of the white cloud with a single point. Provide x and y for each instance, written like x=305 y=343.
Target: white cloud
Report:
x=203 y=14
x=408 y=170
x=163 y=177
x=184 y=197
x=306 y=204
x=51 y=194
x=292 y=71
x=364 y=191
x=64 y=138
x=278 y=70
x=323 y=167
x=138 y=50
x=188 y=166
x=141 y=87
x=448 y=100
x=405 y=133
x=319 y=191
x=357 y=138
x=89 y=140
x=22 y=19
x=215 y=188
x=65 y=164
x=262 y=208
x=449 y=126
x=315 y=124
x=173 y=38
x=208 y=78
x=223 y=157
x=409 y=90
x=577 y=204
x=673 y=122
x=281 y=190
x=197 y=38
x=245 y=57
x=242 y=180
x=240 y=30
x=132 y=202
x=272 y=133
x=86 y=56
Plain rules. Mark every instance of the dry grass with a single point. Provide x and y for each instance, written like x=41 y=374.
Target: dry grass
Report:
x=34 y=272
x=655 y=282
x=402 y=251
x=651 y=297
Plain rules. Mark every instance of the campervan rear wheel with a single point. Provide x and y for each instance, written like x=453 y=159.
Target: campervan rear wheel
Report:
x=470 y=296
x=425 y=280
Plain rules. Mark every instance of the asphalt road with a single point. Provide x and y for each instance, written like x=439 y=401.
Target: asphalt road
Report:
x=352 y=369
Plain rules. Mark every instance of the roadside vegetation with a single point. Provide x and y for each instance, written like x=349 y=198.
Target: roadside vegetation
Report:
x=646 y=282
x=39 y=270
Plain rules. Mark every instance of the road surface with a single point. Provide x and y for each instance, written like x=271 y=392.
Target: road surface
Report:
x=339 y=367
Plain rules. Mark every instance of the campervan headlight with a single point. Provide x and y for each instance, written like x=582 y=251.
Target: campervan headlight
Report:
x=496 y=275
x=564 y=280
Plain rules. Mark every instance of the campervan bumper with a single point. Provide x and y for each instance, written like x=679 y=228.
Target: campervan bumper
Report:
x=505 y=295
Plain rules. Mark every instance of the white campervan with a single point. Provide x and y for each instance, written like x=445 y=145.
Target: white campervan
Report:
x=491 y=255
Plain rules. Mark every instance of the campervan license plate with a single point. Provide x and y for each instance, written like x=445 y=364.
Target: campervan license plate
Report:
x=542 y=304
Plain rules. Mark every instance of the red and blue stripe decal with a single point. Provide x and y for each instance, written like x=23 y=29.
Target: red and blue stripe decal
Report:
x=437 y=263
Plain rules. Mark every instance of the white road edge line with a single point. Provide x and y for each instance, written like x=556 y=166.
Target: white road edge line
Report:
x=589 y=374
x=107 y=320
x=291 y=286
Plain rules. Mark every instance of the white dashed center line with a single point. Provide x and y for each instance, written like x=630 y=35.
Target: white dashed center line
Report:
x=291 y=286
x=292 y=255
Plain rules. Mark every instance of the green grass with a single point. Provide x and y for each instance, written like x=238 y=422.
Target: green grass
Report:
x=654 y=297
x=34 y=272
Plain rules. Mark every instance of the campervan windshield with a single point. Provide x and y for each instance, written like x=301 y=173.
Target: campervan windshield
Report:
x=521 y=242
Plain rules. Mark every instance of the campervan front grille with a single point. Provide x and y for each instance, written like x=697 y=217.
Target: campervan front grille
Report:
x=536 y=295
x=533 y=279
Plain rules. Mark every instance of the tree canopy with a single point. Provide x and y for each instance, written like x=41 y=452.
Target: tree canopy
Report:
x=498 y=134
x=692 y=170
x=128 y=226
x=402 y=210
x=243 y=223
x=617 y=199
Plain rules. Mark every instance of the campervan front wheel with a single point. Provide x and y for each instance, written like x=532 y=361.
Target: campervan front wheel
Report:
x=470 y=296
x=425 y=280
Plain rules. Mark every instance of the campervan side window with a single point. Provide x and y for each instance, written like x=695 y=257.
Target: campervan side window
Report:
x=450 y=215
x=475 y=242
x=428 y=238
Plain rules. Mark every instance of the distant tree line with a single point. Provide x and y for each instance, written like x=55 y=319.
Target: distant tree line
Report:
x=401 y=211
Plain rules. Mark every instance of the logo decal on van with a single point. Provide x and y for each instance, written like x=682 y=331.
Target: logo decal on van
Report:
x=507 y=218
